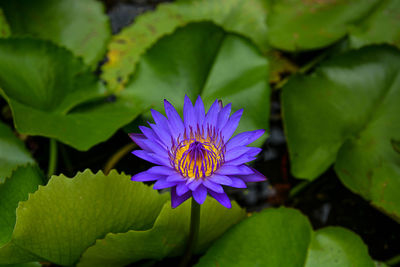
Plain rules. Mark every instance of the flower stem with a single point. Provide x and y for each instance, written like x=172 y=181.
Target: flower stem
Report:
x=193 y=234
x=115 y=158
x=52 y=158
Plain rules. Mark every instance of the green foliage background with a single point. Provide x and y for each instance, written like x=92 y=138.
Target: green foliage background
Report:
x=340 y=108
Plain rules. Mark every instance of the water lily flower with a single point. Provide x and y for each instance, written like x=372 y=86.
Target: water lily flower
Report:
x=197 y=156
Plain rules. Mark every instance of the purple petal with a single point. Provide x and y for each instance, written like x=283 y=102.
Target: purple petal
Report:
x=213 y=186
x=164 y=136
x=200 y=194
x=255 y=177
x=181 y=189
x=241 y=160
x=234 y=170
x=222 y=198
x=163 y=183
x=231 y=125
x=140 y=139
x=174 y=120
x=177 y=200
x=243 y=139
x=236 y=152
x=145 y=177
x=189 y=116
x=193 y=183
x=199 y=110
x=212 y=115
x=175 y=177
x=164 y=170
x=151 y=157
x=150 y=134
x=223 y=116
x=160 y=120
x=237 y=182
x=220 y=179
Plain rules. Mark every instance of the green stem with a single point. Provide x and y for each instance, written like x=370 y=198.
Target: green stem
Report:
x=52 y=158
x=193 y=234
x=393 y=261
x=115 y=158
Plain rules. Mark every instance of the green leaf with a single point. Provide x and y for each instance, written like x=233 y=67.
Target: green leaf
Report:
x=168 y=236
x=284 y=237
x=347 y=113
x=79 y=25
x=382 y=26
x=296 y=25
x=336 y=246
x=242 y=17
x=47 y=90
x=4 y=27
x=12 y=152
x=77 y=212
x=16 y=188
x=201 y=59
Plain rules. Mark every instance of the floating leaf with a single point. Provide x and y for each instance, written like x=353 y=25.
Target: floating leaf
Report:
x=382 y=26
x=347 y=113
x=90 y=206
x=336 y=246
x=12 y=152
x=16 y=188
x=201 y=59
x=284 y=237
x=46 y=92
x=168 y=236
x=296 y=25
x=243 y=17
x=79 y=211
x=79 y=25
x=4 y=27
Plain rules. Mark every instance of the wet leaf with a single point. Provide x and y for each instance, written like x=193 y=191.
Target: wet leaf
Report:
x=297 y=25
x=284 y=237
x=346 y=113
x=12 y=152
x=168 y=236
x=79 y=25
x=125 y=49
x=49 y=91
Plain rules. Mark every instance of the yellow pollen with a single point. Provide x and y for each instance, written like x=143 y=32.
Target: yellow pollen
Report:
x=197 y=158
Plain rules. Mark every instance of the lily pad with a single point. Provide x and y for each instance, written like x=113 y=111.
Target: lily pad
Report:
x=167 y=237
x=201 y=59
x=16 y=188
x=125 y=49
x=297 y=25
x=79 y=211
x=47 y=91
x=112 y=209
x=346 y=114
x=284 y=237
x=382 y=26
x=12 y=152
x=79 y=25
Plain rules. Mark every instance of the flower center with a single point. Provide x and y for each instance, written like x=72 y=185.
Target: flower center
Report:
x=197 y=156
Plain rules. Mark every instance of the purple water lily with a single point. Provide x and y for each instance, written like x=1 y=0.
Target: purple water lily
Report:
x=196 y=156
